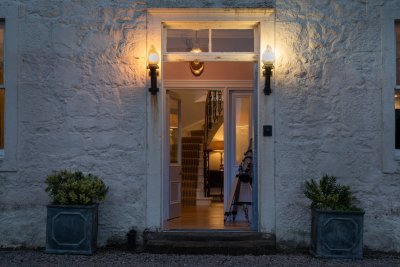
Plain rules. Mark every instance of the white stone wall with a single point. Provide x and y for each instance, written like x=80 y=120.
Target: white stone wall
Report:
x=329 y=115
x=82 y=105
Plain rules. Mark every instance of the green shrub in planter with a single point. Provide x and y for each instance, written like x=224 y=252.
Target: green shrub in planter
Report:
x=75 y=188
x=328 y=195
x=72 y=219
x=337 y=224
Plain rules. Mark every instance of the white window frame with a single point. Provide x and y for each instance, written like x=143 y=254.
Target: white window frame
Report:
x=210 y=55
x=8 y=155
x=397 y=86
x=2 y=85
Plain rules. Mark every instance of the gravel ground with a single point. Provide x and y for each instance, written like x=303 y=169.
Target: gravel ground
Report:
x=126 y=258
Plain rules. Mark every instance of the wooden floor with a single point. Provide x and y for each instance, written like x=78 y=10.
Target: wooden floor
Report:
x=204 y=218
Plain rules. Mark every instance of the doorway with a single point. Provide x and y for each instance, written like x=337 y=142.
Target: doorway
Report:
x=209 y=127
x=159 y=21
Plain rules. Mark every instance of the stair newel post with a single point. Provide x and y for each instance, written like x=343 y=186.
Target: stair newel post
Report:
x=209 y=111
x=214 y=106
x=205 y=138
x=219 y=103
x=206 y=172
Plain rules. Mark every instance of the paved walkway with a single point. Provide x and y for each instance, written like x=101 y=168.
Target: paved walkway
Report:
x=105 y=257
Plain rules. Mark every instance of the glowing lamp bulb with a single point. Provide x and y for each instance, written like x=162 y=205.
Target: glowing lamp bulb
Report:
x=153 y=56
x=268 y=57
x=196 y=50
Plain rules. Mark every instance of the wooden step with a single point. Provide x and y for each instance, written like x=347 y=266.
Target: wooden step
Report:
x=209 y=242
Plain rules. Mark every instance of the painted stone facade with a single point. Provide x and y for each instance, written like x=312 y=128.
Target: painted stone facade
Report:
x=83 y=104
x=329 y=113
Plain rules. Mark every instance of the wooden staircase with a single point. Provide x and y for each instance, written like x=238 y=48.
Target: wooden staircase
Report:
x=193 y=171
x=191 y=148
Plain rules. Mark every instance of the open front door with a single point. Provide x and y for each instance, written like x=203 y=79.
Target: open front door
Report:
x=174 y=156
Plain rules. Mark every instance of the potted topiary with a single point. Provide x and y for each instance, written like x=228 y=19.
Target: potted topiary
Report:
x=72 y=218
x=336 y=224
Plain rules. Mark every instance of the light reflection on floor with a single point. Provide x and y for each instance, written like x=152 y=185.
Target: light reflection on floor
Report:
x=204 y=217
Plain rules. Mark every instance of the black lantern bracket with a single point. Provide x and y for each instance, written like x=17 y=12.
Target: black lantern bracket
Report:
x=268 y=67
x=153 y=78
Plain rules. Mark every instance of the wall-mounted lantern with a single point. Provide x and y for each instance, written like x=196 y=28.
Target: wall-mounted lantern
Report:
x=153 y=59
x=268 y=58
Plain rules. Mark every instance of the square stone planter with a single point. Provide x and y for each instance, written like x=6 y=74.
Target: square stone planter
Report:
x=71 y=229
x=337 y=234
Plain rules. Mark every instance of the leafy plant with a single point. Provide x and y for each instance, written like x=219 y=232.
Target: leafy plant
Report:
x=75 y=188
x=328 y=195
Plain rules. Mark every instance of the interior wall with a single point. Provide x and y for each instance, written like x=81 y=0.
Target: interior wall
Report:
x=192 y=114
x=212 y=71
x=215 y=160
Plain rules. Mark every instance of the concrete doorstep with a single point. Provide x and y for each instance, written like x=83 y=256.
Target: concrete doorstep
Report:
x=209 y=242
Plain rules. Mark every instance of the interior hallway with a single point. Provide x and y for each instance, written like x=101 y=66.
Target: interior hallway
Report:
x=204 y=218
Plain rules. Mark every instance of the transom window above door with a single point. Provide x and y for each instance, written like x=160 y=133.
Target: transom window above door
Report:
x=207 y=39
x=210 y=40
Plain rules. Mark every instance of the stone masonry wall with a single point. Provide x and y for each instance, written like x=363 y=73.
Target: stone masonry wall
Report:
x=329 y=114
x=82 y=105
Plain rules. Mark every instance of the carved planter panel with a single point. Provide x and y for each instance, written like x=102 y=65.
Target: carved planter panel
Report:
x=71 y=229
x=337 y=234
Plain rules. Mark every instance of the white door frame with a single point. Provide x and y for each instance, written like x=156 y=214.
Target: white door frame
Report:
x=265 y=19
x=228 y=87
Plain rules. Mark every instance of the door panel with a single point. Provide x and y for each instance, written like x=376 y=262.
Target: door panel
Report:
x=240 y=134
x=174 y=160
x=175 y=191
x=242 y=124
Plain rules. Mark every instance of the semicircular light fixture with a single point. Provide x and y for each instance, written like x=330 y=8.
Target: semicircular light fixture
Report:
x=196 y=67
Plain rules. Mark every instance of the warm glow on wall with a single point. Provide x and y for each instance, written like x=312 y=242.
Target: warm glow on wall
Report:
x=219 y=135
x=284 y=53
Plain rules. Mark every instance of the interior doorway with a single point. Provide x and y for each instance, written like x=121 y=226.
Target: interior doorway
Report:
x=209 y=127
